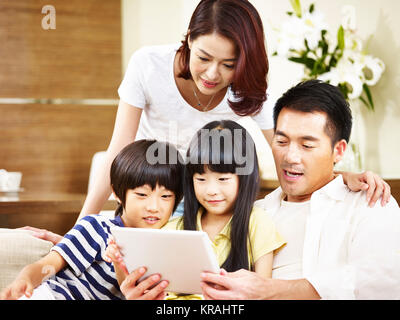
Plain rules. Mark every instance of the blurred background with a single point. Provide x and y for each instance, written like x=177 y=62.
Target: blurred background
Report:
x=60 y=70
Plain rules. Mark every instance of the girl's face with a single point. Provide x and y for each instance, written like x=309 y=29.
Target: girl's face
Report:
x=216 y=192
x=147 y=208
x=212 y=62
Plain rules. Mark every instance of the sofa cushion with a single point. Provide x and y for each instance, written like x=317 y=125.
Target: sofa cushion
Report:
x=17 y=249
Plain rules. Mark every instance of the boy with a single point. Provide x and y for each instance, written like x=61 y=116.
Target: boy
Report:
x=75 y=268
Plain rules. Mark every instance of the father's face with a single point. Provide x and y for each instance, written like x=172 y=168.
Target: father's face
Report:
x=303 y=153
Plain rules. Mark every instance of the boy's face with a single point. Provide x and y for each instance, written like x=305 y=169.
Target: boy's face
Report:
x=147 y=208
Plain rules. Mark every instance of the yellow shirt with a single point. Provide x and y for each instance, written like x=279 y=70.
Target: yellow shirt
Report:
x=263 y=238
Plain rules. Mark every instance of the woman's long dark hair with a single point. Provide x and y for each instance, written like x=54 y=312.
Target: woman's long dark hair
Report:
x=224 y=146
x=240 y=22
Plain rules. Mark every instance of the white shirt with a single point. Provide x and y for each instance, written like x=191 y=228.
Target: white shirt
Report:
x=149 y=84
x=350 y=251
x=291 y=225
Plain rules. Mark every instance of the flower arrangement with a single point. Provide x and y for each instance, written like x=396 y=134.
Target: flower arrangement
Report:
x=341 y=61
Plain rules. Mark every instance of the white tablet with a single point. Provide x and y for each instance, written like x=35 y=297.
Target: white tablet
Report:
x=178 y=255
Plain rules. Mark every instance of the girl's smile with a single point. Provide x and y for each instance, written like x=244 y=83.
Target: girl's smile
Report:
x=214 y=201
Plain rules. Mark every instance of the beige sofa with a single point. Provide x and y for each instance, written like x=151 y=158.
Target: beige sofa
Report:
x=17 y=249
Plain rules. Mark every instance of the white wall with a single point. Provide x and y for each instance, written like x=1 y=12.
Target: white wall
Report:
x=165 y=21
x=153 y=22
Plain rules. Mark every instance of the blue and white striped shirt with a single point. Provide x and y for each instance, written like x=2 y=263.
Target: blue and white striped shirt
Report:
x=87 y=276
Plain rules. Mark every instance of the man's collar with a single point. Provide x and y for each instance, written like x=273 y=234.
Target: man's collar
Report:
x=336 y=189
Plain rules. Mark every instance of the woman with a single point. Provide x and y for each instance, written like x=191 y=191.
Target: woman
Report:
x=169 y=92
x=218 y=72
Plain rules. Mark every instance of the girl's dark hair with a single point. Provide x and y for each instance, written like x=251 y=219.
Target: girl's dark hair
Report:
x=318 y=96
x=147 y=162
x=225 y=146
x=240 y=22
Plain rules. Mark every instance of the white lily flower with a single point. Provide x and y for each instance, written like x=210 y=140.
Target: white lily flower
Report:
x=331 y=77
x=349 y=21
x=352 y=42
x=295 y=30
x=355 y=85
x=369 y=68
x=348 y=65
x=345 y=73
x=373 y=70
x=291 y=36
x=353 y=60
x=314 y=23
x=350 y=74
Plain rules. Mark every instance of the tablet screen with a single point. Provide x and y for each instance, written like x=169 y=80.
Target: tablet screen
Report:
x=178 y=255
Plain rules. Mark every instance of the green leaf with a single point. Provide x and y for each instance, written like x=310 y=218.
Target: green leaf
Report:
x=306 y=45
x=311 y=10
x=308 y=62
x=340 y=38
x=369 y=96
x=296 y=7
x=364 y=101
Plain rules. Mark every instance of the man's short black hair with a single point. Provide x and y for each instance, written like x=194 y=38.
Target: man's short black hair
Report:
x=317 y=96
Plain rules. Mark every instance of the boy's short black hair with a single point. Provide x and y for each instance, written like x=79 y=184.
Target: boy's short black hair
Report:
x=133 y=167
x=318 y=96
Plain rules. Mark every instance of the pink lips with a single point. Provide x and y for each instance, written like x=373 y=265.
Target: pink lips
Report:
x=209 y=84
x=214 y=202
x=151 y=220
x=292 y=176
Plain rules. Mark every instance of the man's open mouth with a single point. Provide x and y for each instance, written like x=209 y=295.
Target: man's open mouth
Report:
x=292 y=174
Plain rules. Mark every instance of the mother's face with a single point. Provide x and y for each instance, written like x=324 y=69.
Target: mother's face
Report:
x=212 y=62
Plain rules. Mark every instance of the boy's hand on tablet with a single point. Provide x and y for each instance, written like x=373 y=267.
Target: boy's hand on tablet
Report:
x=146 y=289
x=114 y=255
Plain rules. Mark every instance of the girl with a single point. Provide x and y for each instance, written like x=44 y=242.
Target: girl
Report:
x=221 y=184
x=148 y=193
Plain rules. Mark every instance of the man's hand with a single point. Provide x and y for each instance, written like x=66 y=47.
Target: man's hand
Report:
x=247 y=285
x=144 y=290
x=239 y=285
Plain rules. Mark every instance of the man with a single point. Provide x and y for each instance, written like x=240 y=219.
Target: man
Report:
x=337 y=246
